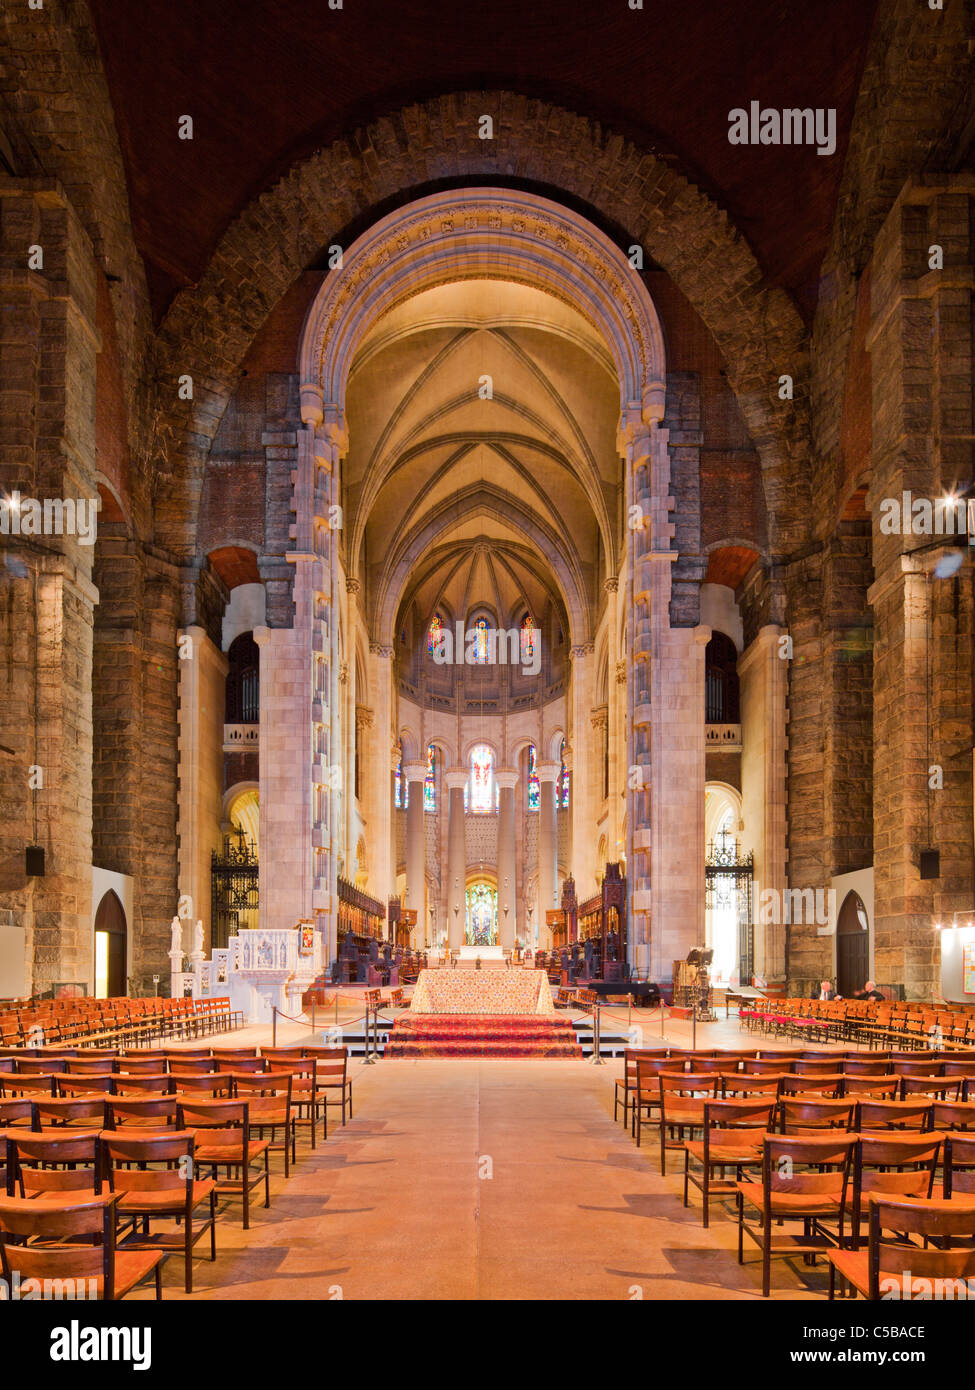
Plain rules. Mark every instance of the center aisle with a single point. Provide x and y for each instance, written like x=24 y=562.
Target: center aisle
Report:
x=393 y=1207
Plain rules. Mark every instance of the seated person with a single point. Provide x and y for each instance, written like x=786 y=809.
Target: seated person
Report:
x=869 y=991
x=826 y=990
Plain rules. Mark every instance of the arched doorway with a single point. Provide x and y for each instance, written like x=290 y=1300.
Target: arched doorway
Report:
x=110 y=948
x=852 y=946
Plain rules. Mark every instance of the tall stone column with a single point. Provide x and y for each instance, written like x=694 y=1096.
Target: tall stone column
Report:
x=414 y=775
x=762 y=672
x=393 y=856
x=548 y=849
x=921 y=353
x=202 y=683
x=48 y=454
x=507 y=883
x=586 y=769
x=456 y=781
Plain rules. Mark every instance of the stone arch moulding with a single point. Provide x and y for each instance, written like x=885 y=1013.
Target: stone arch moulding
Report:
x=491 y=233
x=211 y=326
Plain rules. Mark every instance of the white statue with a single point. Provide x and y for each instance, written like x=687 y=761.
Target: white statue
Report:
x=176 y=941
x=198 y=938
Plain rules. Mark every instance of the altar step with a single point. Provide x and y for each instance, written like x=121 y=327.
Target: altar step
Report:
x=354 y=1038
x=489 y=1036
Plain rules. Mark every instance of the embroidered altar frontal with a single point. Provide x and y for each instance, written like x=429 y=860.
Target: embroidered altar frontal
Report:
x=482 y=992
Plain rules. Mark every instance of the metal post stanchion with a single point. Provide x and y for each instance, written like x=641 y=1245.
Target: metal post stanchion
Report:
x=597 y=1060
x=694 y=1025
x=369 y=1060
x=274 y=1025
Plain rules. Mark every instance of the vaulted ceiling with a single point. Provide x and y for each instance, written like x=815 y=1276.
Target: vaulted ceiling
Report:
x=269 y=81
x=482 y=409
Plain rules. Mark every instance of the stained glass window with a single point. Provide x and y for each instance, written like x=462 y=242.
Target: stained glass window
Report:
x=527 y=639
x=562 y=785
x=534 y=800
x=482 y=915
x=434 y=632
x=400 y=785
x=481 y=781
x=482 y=641
x=430 y=781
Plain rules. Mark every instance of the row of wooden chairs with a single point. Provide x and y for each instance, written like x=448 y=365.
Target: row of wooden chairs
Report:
x=115 y=1020
x=844 y=1072
x=102 y=1167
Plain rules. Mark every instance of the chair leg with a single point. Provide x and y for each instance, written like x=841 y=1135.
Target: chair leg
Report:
x=686 y=1161
x=213 y=1226
x=267 y=1179
x=740 y=1202
x=188 y=1254
x=706 y=1191
x=766 y=1258
x=245 y=1186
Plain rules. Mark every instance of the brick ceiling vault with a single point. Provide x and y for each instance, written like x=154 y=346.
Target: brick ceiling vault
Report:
x=209 y=328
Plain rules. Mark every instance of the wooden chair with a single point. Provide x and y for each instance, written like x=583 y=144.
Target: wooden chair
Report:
x=856 y=1066
x=97 y=1267
x=71 y=1112
x=891 y=1166
x=900 y=1266
x=959 y=1168
x=234 y=1054
x=893 y=1114
x=645 y=1096
x=733 y=1131
x=834 y=1059
x=627 y=1082
x=938 y=1087
x=12 y=1086
x=143 y=1066
x=192 y=1066
x=242 y=1064
x=828 y=1085
x=741 y=1085
x=927 y=1068
x=150 y=1193
x=214 y=1084
x=682 y=1098
x=78 y=1086
x=877 y=1087
x=768 y=1067
x=950 y=1114
x=223 y=1140
x=45 y=1166
x=786 y=1194
x=307 y=1098
x=333 y=1075
x=16 y=1112
x=814 y=1117
x=88 y=1066
x=699 y=1064
x=40 y=1066
x=151 y=1114
x=268 y=1098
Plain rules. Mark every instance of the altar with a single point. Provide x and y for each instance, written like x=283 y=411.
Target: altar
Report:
x=483 y=992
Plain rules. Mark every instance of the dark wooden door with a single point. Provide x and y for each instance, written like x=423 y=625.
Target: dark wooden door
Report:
x=852 y=946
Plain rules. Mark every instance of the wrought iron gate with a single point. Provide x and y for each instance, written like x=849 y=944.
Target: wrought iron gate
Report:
x=728 y=879
x=233 y=888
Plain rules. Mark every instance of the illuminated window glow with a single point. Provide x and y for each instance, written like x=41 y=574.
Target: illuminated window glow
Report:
x=534 y=797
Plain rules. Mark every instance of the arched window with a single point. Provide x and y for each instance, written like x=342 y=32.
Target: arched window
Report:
x=434 y=633
x=401 y=793
x=534 y=800
x=483 y=793
x=562 y=785
x=721 y=681
x=430 y=781
x=527 y=639
x=482 y=642
x=243 y=680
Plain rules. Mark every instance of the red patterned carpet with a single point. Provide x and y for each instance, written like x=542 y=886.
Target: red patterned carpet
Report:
x=482 y=1035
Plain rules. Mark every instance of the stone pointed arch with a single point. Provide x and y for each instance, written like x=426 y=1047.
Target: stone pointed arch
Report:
x=210 y=327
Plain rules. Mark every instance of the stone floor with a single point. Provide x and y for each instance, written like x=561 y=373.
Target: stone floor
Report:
x=476 y=1180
